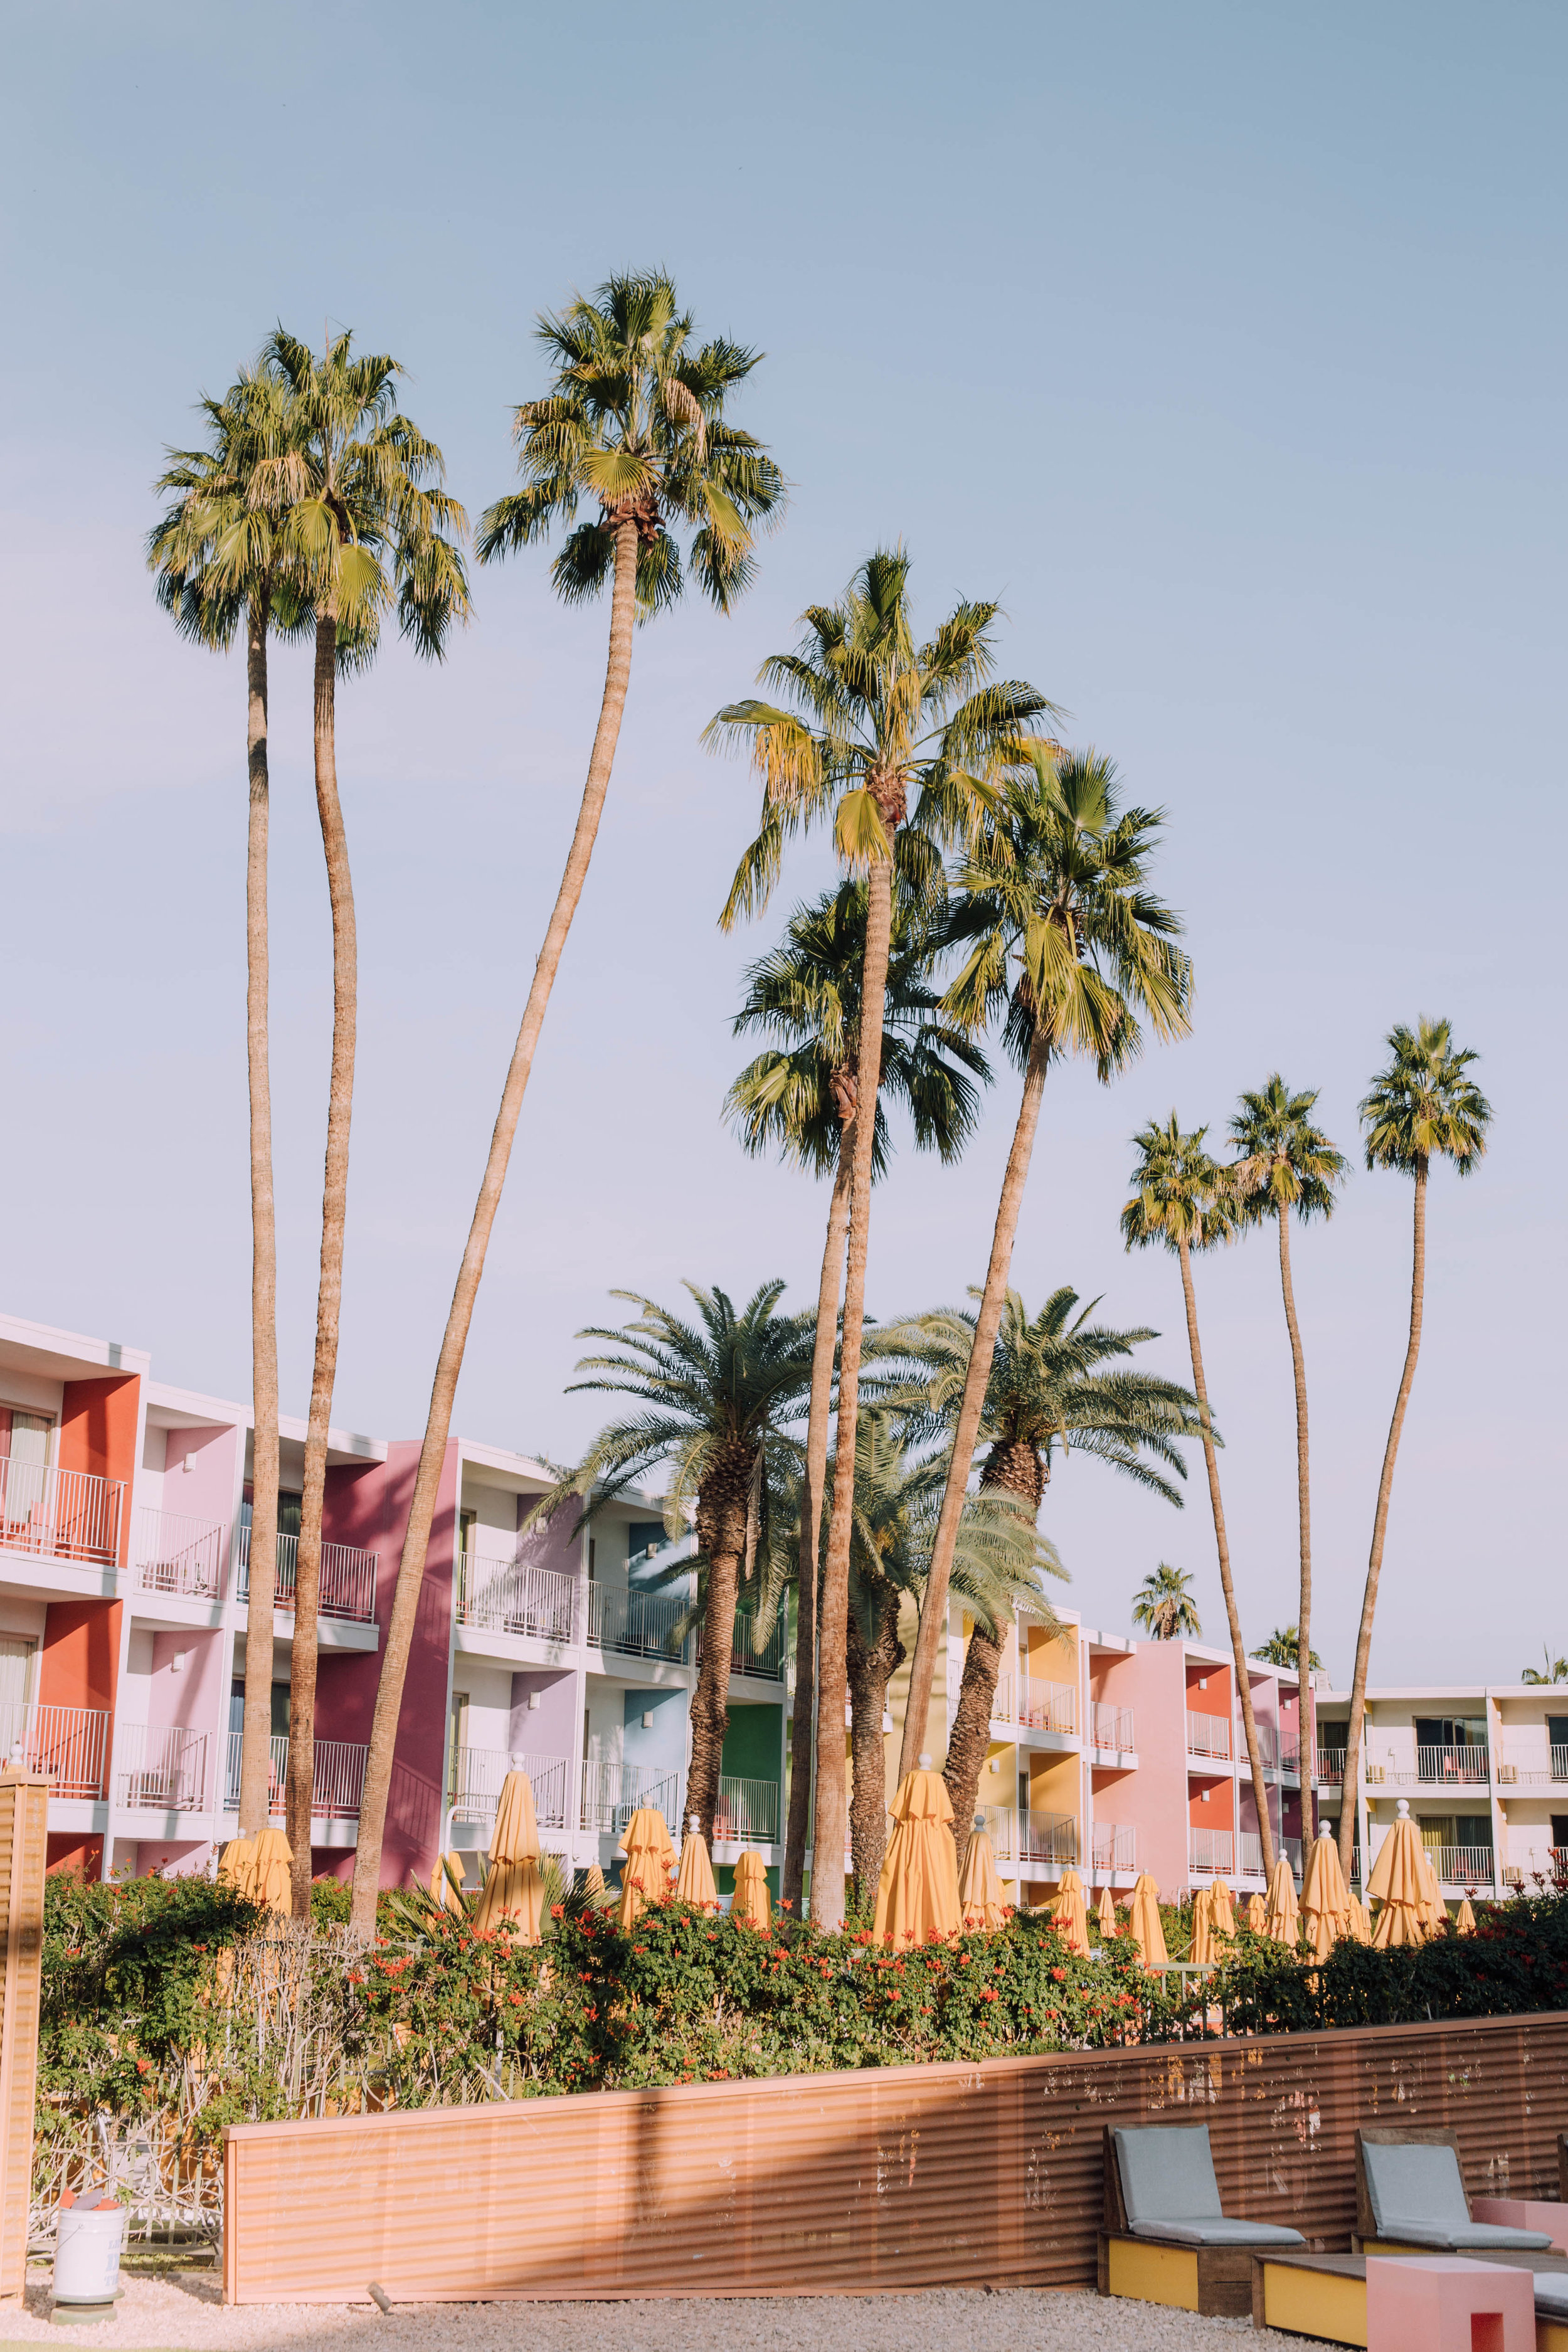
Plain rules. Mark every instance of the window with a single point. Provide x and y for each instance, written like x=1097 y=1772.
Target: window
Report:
x=24 y=1450
x=16 y=1667
x=1450 y=1731
x=467 y=1520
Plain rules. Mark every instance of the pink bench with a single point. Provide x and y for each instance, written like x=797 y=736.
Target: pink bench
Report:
x=1441 y=2303
x=1525 y=2214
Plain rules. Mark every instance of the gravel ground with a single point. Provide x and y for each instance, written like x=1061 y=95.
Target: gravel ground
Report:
x=186 y=2310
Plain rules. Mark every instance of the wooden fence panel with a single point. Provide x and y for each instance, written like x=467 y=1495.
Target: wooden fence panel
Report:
x=24 y=1844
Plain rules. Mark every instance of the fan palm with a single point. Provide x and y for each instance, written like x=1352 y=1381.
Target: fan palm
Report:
x=1056 y=1378
x=1186 y=1201
x=1424 y=1105
x=219 y=554
x=634 y=420
x=370 y=533
x=1074 y=948
x=720 y=1394
x=1164 y=1607
x=867 y=712
x=1288 y=1164
x=799 y=1095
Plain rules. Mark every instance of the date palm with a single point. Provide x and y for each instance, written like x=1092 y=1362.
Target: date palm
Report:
x=634 y=425
x=1555 y=1669
x=866 y=713
x=1288 y=1166
x=1164 y=1607
x=799 y=1096
x=1424 y=1105
x=218 y=556
x=369 y=533
x=1184 y=1201
x=1073 y=948
x=1055 y=1379
x=721 y=1396
x=1283 y=1648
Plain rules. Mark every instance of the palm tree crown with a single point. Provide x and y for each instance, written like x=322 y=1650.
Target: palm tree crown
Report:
x=1183 y=1195
x=1424 y=1105
x=220 y=546
x=1285 y=1159
x=636 y=419
x=1283 y=1649
x=1164 y=1607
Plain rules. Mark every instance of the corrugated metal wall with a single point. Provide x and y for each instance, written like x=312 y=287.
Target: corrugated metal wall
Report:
x=858 y=2182
x=24 y=1841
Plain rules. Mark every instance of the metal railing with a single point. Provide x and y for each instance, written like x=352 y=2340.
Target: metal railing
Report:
x=67 y=1744
x=337 y=1780
x=640 y=1624
x=1447 y=1768
x=512 y=1596
x=1533 y=1765
x=348 y=1577
x=1279 y=1749
x=1208 y=1734
x=1112 y=1845
x=1331 y=1764
x=475 y=1776
x=1111 y=1727
x=1463 y=1866
x=764 y=1666
x=65 y=1514
x=1211 y=1853
x=1548 y=1863
x=160 y=1770
x=1034 y=1705
x=174 y=1553
x=612 y=1793
x=747 y=1812
x=1047 y=1837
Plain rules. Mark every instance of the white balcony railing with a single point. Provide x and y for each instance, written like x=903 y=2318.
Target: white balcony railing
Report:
x=1463 y=1866
x=66 y=1745
x=512 y=1596
x=1211 y=1853
x=174 y=1553
x=1331 y=1764
x=348 y=1577
x=1277 y=1749
x=1111 y=1726
x=1533 y=1766
x=1047 y=1837
x=337 y=1778
x=638 y=1625
x=612 y=1793
x=160 y=1770
x=474 y=1784
x=766 y=1665
x=1112 y=1845
x=1035 y=1705
x=1208 y=1734
x=62 y=1514
x=1527 y=1863
x=1447 y=1768
x=747 y=1812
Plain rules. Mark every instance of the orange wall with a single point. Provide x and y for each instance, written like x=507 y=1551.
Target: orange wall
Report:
x=80 y=1657
x=1216 y=1700
x=97 y=1434
x=1219 y=1813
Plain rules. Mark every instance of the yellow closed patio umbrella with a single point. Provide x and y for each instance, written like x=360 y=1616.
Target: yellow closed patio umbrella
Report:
x=594 y=1885
x=1325 y=1898
x=649 y=1851
x=1201 y=1949
x=1070 y=1912
x=1105 y=1912
x=1258 y=1914
x=1360 y=1923
x=695 y=1883
x=751 y=1903
x=1222 y=1908
x=917 y=1895
x=1282 y=1918
x=1465 y=1920
x=1437 y=1909
x=448 y=1868
x=1398 y=1882
x=237 y=1866
x=980 y=1900
x=271 y=1872
x=1143 y=1922
x=511 y=1902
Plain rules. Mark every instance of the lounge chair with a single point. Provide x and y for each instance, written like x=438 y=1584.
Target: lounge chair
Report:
x=1166 y=2238
x=1410 y=2196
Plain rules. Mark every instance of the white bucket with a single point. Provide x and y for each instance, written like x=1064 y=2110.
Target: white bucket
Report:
x=86 y=2253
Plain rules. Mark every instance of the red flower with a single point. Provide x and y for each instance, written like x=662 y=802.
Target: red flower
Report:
x=1060 y=1975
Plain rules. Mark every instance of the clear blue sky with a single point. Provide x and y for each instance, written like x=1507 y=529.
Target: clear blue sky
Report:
x=1225 y=344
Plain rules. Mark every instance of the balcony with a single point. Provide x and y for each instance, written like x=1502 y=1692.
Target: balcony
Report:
x=160 y=1770
x=1208 y=1734
x=612 y=1793
x=1534 y=1767
x=1279 y=1751
x=66 y=1745
x=348 y=1578
x=1031 y=1838
x=510 y=1596
x=1463 y=1866
x=60 y=1514
x=1331 y=1765
x=1113 y=1846
x=337 y=1780
x=1211 y=1853
x=475 y=1776
x=178 y=1555
x=764 y=1666
x=1547 y=1862
x=1035 y=1706
x=1112 y=1728
x=747 y=1812
x=1443 y=1768
x=637 y=1624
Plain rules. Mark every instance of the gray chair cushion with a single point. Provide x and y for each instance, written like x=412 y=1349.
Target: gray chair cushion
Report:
x=1464 y=2237
x=1552 y=2293
x=1167 y=2170
x=1416 y=2180
x=1209 y=2232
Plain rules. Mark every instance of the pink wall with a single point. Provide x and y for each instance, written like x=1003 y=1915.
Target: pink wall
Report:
x=1153 y=1800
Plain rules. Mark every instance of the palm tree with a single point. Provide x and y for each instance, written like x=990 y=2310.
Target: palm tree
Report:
x=369 y=531
x=1164 y=1607
x=1287 y=1162
x=1556 y=1669
x=1074 y=946
x=633 y=419
x=1055 y=1379
x=869 y=711
x=1283 y=1648
x=720 y=1393
x=1186 y=1201
x=219 y=559
x=1424 y=1105
x=800 y=1097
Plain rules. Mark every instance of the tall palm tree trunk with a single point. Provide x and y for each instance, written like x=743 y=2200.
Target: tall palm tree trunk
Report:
x=1348 y=1801
x=256 y=1736
x=1238 y=1647
x=830 y=1822
x=870 y=1668
x=329 y=1284
x=1308 y=1714
x=454 y=1340
x=803 y=1713
x=934 y=1611
x=710 y=1699
x=1010 y=1469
